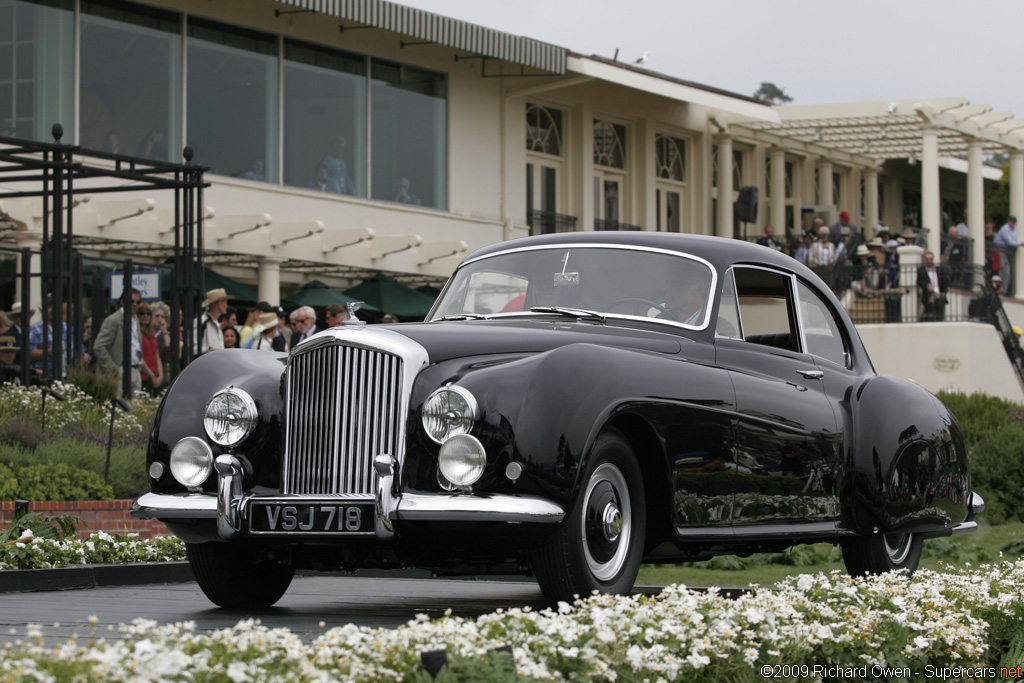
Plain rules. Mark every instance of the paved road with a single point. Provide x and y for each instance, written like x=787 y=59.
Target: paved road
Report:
x=335 y=600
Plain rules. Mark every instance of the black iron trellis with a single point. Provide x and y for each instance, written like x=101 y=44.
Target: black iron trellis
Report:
x=50 y=171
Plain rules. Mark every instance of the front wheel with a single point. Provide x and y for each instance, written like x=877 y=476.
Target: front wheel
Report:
x=600 y=545
x=880 y=553
x=236 y=575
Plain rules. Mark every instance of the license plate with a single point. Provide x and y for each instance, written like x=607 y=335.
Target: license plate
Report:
x=311 y=518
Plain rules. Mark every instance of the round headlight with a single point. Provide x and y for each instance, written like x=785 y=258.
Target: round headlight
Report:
x=230 y=417
x=449 y=411
x=462 y=459
x=191 y=461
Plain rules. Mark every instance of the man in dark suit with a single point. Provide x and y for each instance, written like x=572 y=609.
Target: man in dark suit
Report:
x=303 y=324
x=931 y=285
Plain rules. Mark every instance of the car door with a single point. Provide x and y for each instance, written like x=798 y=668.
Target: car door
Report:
x=786 y=441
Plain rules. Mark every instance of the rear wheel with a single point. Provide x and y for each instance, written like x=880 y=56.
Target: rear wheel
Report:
x=237 y=575
x=600 y=545
x=880 y=553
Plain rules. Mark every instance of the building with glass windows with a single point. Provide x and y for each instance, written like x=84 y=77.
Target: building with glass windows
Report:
x=349 y=138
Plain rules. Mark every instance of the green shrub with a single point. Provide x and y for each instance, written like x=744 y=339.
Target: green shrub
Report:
x=997 y=473
x=102 y=386
x=88 y=452
x=21 y=433
x=979 y=414
x=52 y=482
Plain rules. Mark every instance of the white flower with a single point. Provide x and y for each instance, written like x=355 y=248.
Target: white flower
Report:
x=26 y=535
x=238 y=672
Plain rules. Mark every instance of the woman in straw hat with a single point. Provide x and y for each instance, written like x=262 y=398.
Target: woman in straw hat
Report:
x=266 y=336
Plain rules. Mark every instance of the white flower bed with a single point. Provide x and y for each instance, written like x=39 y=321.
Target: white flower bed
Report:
x=944 y=625
x=28 y=552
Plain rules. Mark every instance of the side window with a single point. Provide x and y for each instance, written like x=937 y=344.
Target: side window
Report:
x=821 y=330
x=728 y=311
x=767 y=315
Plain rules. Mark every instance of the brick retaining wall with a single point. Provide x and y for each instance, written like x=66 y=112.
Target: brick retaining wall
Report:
x=96 y=515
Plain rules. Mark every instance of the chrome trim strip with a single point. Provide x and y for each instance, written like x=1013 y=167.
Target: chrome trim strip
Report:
x=175 y=506
x=453 y=507
x=964 y=528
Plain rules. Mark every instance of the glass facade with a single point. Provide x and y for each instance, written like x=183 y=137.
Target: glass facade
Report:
x=409 y=147
x=130 y=77
x=37 y=68
x=252 y=105
x=324 y=119
x=609 y=144
x=232 y=100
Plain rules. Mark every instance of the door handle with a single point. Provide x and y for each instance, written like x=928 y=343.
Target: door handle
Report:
x=811 y=374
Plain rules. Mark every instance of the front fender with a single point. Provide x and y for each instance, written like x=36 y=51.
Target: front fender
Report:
x=181 y=412
x=910 y=469
x=552 y=406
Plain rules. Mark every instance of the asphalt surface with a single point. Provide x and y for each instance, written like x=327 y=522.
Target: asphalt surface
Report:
x=335 y=600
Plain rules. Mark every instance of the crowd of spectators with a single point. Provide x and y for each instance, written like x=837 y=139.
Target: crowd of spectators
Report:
x=848 y=259
x=266 y=327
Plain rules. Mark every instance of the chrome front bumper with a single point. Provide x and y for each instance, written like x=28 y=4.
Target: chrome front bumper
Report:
x=230 y=505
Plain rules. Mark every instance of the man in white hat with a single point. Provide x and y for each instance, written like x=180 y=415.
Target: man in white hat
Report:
x=9 y=369
x=210 y=334
x=16 y=329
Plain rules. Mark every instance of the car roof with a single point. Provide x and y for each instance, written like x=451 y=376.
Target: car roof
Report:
x=719 y=251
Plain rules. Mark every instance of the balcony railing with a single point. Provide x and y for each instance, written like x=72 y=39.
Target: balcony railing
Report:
x=602 y=224
x=546 y=222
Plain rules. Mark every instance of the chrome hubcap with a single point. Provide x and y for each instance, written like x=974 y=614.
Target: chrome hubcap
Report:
x=612 y=521
x=897 y=547
x=607 y=516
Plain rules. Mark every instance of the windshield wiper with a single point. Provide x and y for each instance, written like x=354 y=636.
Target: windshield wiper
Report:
x=464 y=316
x=578 y=313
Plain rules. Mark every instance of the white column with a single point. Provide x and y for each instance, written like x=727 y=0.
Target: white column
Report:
x=778 y=184
x=645 y=179
x=853 y=199
x=34 y=242
x=976 y=201
x=270 y=280
x=725 y=216
x=825 y=191
x=870 y=202
x=1017 y=209
x=582 y=190
x=931 y=214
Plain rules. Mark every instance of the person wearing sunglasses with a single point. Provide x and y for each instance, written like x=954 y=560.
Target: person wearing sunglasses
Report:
x=152 y=368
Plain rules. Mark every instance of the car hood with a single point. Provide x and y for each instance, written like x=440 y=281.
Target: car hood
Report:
x=459 y=339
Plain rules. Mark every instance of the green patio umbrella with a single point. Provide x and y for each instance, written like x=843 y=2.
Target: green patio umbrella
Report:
x=319 y=294
x=391 y=296
x=243 y=295
x=429 y=290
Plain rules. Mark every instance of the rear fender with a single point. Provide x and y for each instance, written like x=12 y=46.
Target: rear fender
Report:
x=909 y=468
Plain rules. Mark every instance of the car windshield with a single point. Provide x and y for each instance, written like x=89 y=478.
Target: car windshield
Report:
x=613 y=282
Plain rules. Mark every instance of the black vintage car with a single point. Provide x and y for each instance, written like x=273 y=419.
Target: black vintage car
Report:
x=573 y=406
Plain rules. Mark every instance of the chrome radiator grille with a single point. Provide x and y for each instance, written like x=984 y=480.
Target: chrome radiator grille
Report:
x=342 y=410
